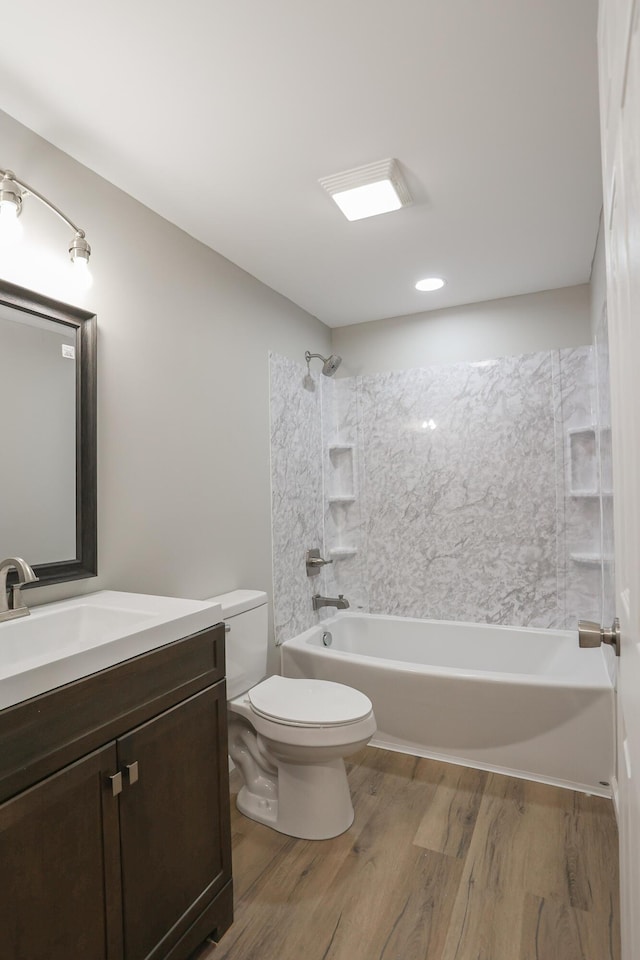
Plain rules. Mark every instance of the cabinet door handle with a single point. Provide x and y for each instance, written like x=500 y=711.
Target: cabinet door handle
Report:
x=116 y=783
x=132 y=772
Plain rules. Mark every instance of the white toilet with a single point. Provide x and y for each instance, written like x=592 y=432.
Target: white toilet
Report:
x=288 y=737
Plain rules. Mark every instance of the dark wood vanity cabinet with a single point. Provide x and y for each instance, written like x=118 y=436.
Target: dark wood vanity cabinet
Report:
x=173 y=861
x=122 y=853
x=60 y=878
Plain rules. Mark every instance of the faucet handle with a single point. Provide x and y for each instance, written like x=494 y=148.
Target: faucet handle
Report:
x=315 y=562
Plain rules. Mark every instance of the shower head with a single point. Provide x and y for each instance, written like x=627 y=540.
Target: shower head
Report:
x=329 y=364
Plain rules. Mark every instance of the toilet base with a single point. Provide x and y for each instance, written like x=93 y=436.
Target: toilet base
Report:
x=313 y=801
x=294 y=777
x=257 y=808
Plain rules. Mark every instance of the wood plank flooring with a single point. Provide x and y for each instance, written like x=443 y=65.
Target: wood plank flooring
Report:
x=442 y=863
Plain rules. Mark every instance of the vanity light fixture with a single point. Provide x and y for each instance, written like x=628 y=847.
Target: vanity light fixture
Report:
x=12 y=193
x=429 y=284
x=368 y=191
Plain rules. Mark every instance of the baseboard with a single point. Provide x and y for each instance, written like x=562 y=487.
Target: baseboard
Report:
x=592 y=789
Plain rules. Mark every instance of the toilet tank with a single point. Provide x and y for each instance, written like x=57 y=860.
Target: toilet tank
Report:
x=245 y=613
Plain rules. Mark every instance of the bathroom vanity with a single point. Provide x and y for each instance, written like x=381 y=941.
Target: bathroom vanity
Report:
x=114 y=808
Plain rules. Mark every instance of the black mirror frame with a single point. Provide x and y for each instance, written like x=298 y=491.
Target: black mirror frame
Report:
x=85 y=563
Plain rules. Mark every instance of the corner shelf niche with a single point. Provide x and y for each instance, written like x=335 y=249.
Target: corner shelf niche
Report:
x=587 y=559
x=583 y=460
x=340 y=447
x=584 y=463
x=341 y=456
x=343 y=476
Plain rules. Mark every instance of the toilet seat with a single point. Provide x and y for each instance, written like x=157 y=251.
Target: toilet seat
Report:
x=308 y=703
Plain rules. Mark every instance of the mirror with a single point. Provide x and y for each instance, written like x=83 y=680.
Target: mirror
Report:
x=48 y=437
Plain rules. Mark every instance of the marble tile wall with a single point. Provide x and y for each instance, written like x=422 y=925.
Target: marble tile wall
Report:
x=578 y=522
x=466 y=491
x=344 y=540
x=296 y=491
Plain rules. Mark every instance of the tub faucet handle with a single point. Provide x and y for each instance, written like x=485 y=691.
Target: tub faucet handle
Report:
x=315 y=562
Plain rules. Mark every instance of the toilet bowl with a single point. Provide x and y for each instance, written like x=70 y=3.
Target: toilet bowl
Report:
x=288 y=738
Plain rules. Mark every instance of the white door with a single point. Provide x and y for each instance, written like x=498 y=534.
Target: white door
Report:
x=619 y=67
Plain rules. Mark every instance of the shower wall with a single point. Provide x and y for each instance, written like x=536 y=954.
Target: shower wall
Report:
x=296 y=491
x=465 y=491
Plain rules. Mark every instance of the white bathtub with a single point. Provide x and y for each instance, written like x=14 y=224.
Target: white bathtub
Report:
x=515 y=700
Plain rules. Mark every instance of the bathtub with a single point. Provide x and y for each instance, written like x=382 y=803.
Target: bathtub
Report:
x=526 y=702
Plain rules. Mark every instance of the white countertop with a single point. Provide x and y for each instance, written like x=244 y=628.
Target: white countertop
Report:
x=70 y=639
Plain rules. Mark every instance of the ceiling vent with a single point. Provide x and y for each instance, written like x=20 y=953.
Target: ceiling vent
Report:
x=368 y=191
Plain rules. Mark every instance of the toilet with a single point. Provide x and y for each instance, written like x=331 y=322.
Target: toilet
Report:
x=288 y=737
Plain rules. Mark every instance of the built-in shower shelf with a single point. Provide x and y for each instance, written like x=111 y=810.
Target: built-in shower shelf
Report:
x=588 y=559
x=341 y=553
x=591 y=493
x=589 y=429
x=343 y=477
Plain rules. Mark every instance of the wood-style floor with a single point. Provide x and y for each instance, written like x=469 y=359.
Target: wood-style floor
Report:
x=442 y=863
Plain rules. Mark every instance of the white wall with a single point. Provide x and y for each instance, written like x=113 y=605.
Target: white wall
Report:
x=183 y=380
x=477 y=331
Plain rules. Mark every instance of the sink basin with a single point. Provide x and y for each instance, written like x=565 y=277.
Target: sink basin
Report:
x=64 y=641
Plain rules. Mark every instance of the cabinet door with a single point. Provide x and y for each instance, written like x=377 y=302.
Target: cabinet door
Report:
x=174 y=821
x=59 y=862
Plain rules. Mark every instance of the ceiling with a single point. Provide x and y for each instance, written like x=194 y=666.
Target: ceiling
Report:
x=222 y=115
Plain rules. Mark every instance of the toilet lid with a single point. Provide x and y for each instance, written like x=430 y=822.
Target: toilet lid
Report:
x=318 y=703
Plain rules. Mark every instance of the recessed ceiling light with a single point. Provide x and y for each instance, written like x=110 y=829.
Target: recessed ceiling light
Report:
x=430 y=283
x=368 y=191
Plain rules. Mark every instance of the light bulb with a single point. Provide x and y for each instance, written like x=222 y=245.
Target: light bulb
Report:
x=10 y=224
x=9 y=209
x=82 y=278
x=429 y=284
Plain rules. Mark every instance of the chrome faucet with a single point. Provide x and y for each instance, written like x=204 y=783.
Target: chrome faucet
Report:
x=340 y=602
x=14 y=606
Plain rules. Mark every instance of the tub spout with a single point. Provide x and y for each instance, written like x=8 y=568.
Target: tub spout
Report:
x=340 y=602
